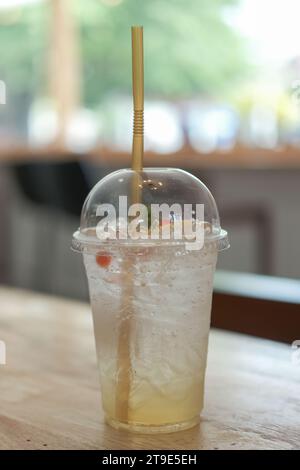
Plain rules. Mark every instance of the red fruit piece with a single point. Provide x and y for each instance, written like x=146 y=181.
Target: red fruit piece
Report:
x=103 y=260
x=165 y=222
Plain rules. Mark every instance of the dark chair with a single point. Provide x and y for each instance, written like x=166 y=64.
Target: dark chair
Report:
x=59 y=189
x=257 y=305
x=61 y=186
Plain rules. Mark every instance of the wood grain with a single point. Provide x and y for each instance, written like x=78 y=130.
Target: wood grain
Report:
x=50 y=396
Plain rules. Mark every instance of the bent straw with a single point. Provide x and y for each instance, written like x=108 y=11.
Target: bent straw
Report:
x=124 y=366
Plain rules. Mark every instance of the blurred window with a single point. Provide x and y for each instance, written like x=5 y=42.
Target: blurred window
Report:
x=217 y=74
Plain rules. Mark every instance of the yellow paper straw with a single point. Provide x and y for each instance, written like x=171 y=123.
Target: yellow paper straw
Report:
x=124 y=365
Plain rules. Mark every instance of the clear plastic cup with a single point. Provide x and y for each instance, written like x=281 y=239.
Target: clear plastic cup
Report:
x=151 y=299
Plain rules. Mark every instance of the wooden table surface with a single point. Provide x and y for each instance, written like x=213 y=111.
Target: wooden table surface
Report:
x=50 y=399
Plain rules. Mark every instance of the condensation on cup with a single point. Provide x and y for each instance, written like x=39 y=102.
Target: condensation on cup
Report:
x=151 y=293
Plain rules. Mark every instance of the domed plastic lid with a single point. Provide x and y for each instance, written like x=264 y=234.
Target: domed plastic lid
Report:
x=156 y=206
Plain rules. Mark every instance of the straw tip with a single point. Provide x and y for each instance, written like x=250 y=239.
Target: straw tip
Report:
x=135 y=27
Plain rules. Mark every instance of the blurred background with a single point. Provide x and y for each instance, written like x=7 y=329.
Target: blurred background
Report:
x=222 y=83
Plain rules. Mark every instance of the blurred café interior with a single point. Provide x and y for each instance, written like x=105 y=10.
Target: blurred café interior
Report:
x=222 y=101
